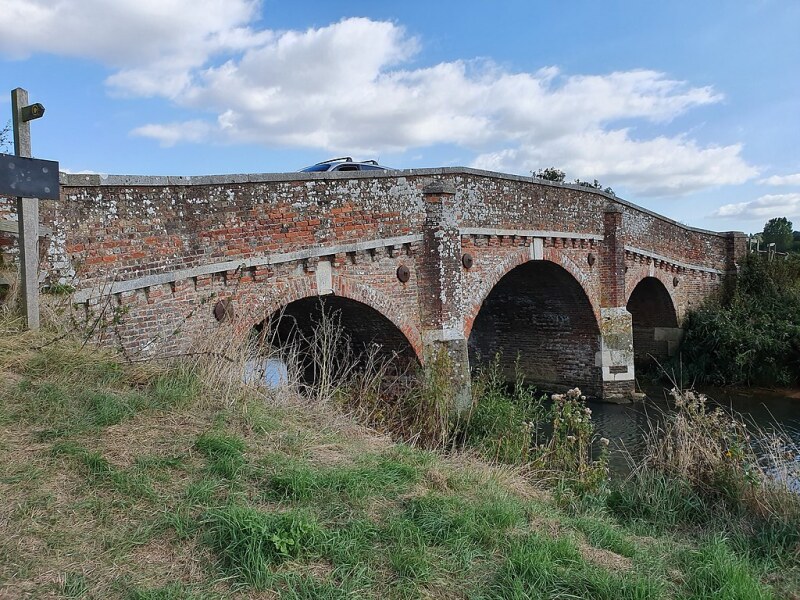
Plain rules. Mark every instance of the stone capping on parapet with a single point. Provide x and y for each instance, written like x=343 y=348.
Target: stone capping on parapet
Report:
x=91 y=180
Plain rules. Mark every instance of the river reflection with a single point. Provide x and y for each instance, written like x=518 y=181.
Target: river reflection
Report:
x=626 y=425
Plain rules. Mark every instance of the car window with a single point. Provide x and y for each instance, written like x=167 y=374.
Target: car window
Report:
x=314 y=168
x=346 y=167
x=371 y=168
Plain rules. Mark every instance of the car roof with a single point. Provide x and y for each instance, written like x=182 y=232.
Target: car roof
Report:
x=333 y=163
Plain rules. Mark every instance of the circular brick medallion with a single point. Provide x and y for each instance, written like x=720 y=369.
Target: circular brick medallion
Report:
x=223 y=311
x=591 y=259
x=467 y=260
x=403 y=274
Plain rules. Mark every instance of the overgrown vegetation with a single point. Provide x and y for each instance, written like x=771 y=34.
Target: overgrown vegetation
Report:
x=559 y=176
x=751 y=336
x=706 y=468
x=143 y=481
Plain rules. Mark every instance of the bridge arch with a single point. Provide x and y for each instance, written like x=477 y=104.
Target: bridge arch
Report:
x=366 y=315
x=539 y=311
x=511 y=262
x=656 y=334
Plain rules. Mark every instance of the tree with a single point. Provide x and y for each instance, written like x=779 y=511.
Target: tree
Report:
x=559 y=176
x=5 y=138
x=550 y=174
x=596 y=185
x=779 y=232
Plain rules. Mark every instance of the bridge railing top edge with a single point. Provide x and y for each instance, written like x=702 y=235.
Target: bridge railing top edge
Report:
x=103 y=180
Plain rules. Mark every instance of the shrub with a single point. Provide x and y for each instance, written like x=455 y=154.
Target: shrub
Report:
x=752 y=336
x=505 y=421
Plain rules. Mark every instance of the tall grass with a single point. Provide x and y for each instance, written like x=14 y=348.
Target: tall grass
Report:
x=703 y=468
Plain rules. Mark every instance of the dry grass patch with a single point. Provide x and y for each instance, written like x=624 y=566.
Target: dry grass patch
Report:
x=148 y=434
x=607 y=559
x=165 y=558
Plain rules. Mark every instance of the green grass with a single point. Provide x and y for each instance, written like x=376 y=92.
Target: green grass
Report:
x=536 y=566
x=172 y=591
x=248 y=542
x=451 y=520
x=189 y=497
x=601 y=533
x=713 y=571
x=99 y=471
x=225 y=453
x=372 y=475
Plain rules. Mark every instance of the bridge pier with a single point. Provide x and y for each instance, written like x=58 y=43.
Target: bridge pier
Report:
x=615 y=357
x=441 y=294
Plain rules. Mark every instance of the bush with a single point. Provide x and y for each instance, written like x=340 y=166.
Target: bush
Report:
x=505 y=421
x=752 y=337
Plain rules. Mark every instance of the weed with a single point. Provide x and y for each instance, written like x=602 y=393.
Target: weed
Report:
x=248 y=542
x=504 y=423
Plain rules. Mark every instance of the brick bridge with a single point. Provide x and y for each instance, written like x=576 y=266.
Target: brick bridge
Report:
x=577 y=285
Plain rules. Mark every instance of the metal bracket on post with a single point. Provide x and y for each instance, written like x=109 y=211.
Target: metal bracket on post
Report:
x=27 y=209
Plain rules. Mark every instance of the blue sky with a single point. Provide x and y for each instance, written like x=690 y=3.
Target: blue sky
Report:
x=687 y=108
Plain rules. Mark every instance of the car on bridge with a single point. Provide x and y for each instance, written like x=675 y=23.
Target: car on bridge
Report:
x=345 y=164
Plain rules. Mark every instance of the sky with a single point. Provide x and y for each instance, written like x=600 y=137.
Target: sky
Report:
x=688 y=108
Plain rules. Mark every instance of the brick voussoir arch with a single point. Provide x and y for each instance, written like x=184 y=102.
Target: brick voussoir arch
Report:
x=306 y=287
x=511 y=262
x=665 y=277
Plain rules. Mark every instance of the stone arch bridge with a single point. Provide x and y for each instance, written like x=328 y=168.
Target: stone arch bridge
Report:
x=580 y=287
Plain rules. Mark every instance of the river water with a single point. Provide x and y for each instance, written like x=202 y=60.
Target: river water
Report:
x=625 y=425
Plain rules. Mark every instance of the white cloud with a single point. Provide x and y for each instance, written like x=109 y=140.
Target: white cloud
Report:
x=342 y=88
x=656 y=167
x=765 y=207
x=154 y=43
x=793 y=179
x=347 y=88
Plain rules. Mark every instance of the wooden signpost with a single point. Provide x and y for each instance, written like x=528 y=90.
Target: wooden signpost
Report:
x=27 y=179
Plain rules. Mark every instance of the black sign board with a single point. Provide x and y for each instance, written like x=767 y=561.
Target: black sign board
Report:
x=28 y=177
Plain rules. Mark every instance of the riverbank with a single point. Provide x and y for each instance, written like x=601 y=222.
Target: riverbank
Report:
x=153 y=481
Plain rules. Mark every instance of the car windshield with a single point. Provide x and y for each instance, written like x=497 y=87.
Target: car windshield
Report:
x=312 y=168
